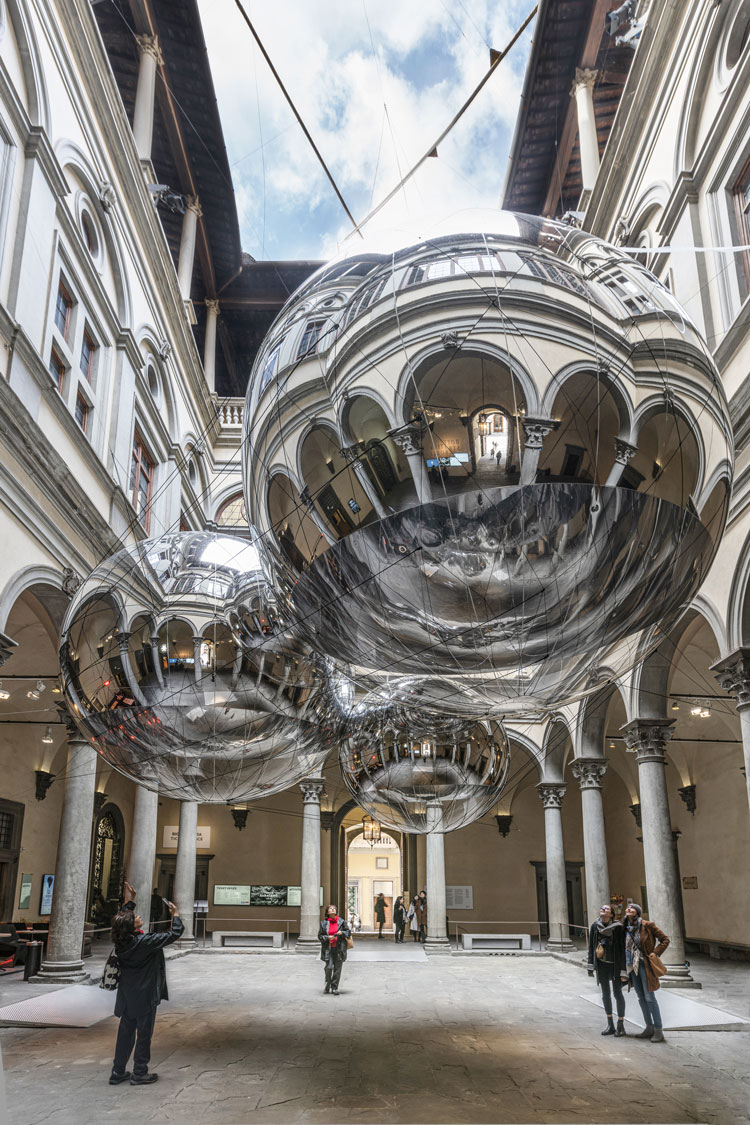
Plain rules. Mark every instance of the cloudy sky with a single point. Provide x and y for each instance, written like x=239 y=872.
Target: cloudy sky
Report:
x=376 y=82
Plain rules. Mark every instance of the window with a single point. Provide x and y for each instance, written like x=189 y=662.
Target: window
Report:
x=232 y=513
x=381 y=861
x=141 y=480
x=270 y=367
x=63 y=309
x=57 y=370
x=89 y=235
x=88 y=354
x=81 y=411
x=741 y=193
x=311 y=337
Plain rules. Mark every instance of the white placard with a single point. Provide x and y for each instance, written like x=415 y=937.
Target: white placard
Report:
x=172 y=835
x=459 y=898
x=231 y=895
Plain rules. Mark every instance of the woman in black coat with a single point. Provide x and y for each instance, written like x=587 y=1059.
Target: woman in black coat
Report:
x=142 y=987
x=607 y=963
x=333 y=935
x=399 y=919
x=380 y=913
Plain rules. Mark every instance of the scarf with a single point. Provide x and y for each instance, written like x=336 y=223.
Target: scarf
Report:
x=633 y=947
x=333 y=929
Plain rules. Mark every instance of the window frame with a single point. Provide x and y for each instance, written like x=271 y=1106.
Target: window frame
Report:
x=60 y=369
x=140 y=452
x=64 y=291
x=83 y=421
x=90 y=371
x=741 y=200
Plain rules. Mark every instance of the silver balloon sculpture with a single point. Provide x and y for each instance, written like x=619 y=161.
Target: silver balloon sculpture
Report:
x=175 y=664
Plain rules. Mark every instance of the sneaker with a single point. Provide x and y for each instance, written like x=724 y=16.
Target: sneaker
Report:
x=334 y=991
x=116 y=1079
x=143 y=1079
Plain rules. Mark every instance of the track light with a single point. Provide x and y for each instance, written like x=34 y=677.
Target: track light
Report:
x=36 y=691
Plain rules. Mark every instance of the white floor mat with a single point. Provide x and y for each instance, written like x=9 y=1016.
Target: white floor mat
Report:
x=79 y=1005
x=678 y=1013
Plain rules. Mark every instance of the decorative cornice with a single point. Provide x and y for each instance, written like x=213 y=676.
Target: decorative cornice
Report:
x=648 y=738
x=733 y=675
x=589 y=772
x=551 y=793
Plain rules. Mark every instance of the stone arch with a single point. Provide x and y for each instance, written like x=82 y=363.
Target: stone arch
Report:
x=703 y=71
x=738 y=614
x=613 y=382
x=649 y=686
x=45 y=578
x=558 y=737
x=529 y=749
x=151 y=348
x=31 y=63
x=590 y=731
x=298 y=537
x=689 y=452
x=347 y=402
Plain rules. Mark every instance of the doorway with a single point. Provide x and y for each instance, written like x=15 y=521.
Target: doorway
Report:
x=371 y=869
x=574 y=887
x=107 y=865
x=11 y=824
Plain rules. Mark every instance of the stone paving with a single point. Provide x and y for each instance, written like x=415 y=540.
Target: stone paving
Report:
x=252 y=1038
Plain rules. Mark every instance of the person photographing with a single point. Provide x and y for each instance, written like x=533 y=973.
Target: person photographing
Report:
x=141 y=988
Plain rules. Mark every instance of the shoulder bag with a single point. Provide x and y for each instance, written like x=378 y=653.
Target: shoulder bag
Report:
x=111 y=975
x=657 y=965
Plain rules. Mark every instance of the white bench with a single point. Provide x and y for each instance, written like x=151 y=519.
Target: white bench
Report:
x=495 y=941
x=228 y=938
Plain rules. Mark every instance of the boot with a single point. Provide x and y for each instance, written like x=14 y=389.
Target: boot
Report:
x=620 y=1028
x=610 y=1028
x=658 y=1036
x=647 y=1032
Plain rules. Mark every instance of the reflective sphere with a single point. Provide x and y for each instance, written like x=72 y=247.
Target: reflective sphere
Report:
x=497 y=459
x=424 y=775
x=174 y=663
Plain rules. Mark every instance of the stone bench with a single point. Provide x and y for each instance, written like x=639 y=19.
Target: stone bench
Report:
x=495 y=941
x=226 y=938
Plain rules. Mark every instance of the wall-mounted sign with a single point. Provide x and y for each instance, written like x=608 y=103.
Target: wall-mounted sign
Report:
x=45 y=899
x=690 y=882
x=231 y=895
x=24 y=895
x=172 y=835
x=459 y=898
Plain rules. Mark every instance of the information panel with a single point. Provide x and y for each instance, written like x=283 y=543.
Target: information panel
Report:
x=231 y=895
x=459 y=898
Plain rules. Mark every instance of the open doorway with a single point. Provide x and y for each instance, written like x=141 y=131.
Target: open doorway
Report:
x=491 y=440
x=371 y=869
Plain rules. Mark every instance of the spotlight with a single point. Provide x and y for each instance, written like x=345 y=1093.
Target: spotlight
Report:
x=613 y=21
x=36 y=691
x=675 y=706
x=3 y=693
x=48 y=736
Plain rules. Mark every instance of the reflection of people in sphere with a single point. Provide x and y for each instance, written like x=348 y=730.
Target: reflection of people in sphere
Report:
x=333 y=935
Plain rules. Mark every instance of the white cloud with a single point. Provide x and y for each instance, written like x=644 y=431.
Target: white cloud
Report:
x=427 y=58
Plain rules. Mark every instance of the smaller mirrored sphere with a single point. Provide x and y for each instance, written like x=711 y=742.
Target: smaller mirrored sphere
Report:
x=424 y=775
x=176 y=665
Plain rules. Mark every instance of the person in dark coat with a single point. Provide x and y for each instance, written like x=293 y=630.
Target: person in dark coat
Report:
x=644 y=940
x=423 y=916
x=333 y=935
x=399 y=919
x=142 y=987
x=607 y=963
x=380 y=914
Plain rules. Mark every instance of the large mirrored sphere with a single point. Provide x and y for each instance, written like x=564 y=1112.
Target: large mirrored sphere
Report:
x=497 y=458
x=424 y=776
x=175 y=664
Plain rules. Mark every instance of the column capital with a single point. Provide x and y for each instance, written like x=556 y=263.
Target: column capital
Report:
x=6 y=648
x=584 y=77
x=312 y=790
x=648 y=738
x=408 y=440
x=306 y=498
x=589 y=772
x=212 y=306
x=149 y=45
x=350 y=453
x=122 y=639
x=71 y=729
x=733 y=676
x=193 y=203
x=551 y=793
x=535 y=430
x=624 y=451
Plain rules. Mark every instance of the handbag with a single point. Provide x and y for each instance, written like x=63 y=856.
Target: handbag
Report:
x=657 y=964
x=111 y=975
x=350 y=943
x=599 y=951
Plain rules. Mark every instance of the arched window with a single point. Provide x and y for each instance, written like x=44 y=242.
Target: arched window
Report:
x=232 y=512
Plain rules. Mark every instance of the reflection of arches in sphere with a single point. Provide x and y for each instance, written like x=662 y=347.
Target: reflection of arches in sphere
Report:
x=338 y=496
x=669 y=456
x=366 y=424
x=295 y=531
x=589 y=417
x=107 y=861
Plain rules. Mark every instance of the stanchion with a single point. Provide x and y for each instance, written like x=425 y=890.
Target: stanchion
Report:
x=33 y=961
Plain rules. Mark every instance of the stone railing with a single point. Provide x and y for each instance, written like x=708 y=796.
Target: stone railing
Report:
x=230 y=412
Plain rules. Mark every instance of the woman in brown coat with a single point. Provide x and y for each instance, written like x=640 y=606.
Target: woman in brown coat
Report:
x=423 y=916
x=642 y=940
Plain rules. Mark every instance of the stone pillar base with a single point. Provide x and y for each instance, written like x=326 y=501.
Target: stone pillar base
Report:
x=61 y=972
x=560 y=947
x=437 y=945
x=678 y=976
x=186 y=943
x=307 y=945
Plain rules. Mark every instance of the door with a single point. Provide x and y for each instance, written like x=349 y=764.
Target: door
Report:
x=11 y=823
x=384 y=887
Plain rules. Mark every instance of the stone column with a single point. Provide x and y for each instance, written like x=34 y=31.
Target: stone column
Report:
x=123 y=648
x=589 y=772
x=156 y=657
x=552 y=794
x=197 y=669
x=353 y=458
x=624 y=451
x=150 y=57
x=187 y=245
x=316 y=517
x=648 y=738
x=410 y=444
x=209 y=343
x=184 y=880
x=535 y=431
x=733 y=674
x=583 y=92
x=309 y=915
x=143 y=849
x=63 y=963
x=437 y=935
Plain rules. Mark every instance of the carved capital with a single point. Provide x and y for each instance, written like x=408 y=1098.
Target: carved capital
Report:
x=536 y=429
x=648 y=738
x=239 y=816
x=450 y=339
x=212 y=306
x=327 y=820
x=624 y=451
x=350 y=454
x=589 y=772
x=99 y=799
x=7 y=644
x=307 y=499
x=584 y=78
x=149 y=45
x=551 y=794
x=69 y=723
x=70 y=581
x=408 y=440
x=733 y=675
x=122 y=640
x=192 y=203
x=312 y=790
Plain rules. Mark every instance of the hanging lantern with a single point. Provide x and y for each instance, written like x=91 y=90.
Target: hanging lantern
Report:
x=483 y=425
x=371 y=830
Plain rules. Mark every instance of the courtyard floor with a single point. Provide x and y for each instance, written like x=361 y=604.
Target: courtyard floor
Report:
x=251 y=1038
